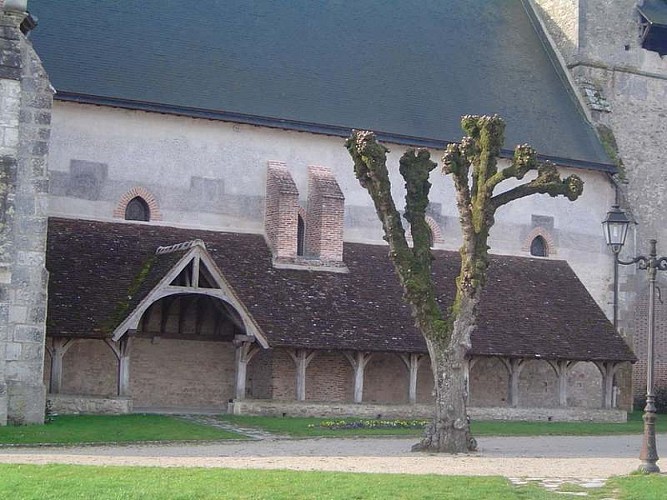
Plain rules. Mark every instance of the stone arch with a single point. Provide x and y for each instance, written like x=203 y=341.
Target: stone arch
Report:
x=546 y=235
x=145 y=195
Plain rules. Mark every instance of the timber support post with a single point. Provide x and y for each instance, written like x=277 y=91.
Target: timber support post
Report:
x=302 y=358
x=412 y=362
x=57 y=350
x=122 y=351
x=245 y=349
x=358 y=361
x=514 y=367
x=608 y=370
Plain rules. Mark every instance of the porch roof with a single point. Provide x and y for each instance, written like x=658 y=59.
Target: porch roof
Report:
x=531 y=308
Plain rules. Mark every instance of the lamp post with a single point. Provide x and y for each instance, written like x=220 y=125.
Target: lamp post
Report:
x=615 y=231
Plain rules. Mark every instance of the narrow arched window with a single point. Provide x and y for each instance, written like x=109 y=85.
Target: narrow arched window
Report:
x=137 y=209
x=538 y=247
x=300 y=236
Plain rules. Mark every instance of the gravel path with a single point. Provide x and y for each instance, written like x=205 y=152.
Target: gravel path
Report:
x=581 y=458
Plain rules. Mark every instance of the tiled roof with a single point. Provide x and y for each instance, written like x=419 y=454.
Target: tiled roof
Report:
x=530 y=308
x=409 y=69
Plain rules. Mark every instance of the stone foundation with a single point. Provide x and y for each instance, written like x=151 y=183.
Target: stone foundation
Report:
x=293 y=409
x=25 y=403
x=67 y=404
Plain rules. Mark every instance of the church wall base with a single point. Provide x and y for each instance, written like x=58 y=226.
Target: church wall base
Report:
x=25 y=403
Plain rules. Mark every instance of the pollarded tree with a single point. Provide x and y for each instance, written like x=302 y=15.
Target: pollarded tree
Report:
x=473 y=165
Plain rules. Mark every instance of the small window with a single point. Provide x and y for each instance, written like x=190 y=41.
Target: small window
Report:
x=300 y=236
x=538 y=247
x=137 y=209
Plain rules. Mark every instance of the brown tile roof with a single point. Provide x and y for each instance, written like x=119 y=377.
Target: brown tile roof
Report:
x=531 y=307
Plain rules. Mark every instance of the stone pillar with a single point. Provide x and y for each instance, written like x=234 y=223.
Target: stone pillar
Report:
x=301 y=357
x=25 y=117
x=59 y=346
x=359 y=361
x=244 y=353
x=412 y=362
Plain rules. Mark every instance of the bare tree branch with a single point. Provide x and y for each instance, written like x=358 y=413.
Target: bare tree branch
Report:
x=548 y=181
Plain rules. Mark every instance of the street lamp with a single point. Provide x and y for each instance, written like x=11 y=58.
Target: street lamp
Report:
x=615 y=231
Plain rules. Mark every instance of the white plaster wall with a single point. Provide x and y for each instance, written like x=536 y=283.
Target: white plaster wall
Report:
x=163 y=152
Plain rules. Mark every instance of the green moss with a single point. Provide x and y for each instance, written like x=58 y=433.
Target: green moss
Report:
x=122 y=307
x=608 y=140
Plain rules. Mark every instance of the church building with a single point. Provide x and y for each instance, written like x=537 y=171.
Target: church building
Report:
x=182 y=228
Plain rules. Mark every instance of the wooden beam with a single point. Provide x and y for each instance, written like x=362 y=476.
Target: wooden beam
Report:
x=608 y=370
x=412 y=362
x=301 y=357
x=244 y=353
x=358 y=361
x=514 y=367
x=59 y=346
x=122 y=351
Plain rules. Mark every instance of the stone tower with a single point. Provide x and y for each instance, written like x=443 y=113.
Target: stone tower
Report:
x=613 y=54
x=25 y=117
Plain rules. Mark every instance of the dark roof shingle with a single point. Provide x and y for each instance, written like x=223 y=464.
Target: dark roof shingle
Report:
x=530 y=308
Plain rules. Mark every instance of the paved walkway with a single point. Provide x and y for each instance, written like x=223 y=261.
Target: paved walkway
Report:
x=582 y=458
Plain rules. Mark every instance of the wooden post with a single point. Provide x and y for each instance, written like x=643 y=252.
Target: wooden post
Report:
x=57 y=350
x=301 y=357
x=562 y=369
x=412 y=362
x=122 y=351
x=359 y=362
x=244 y=353
x=607 y=370
x=124 y=367
x=514 y=367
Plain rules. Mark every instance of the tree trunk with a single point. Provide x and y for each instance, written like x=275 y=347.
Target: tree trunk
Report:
x=450 y=430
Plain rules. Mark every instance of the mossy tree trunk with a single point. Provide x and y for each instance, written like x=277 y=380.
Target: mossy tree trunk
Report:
x=474 y=169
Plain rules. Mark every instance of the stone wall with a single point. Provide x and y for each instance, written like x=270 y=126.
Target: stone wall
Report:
x=603 y=51
x=25 y=119
x=293 y=409
x=67 y=404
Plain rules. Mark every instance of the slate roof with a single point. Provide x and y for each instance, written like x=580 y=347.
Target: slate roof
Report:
x=408 y=69
x=531 y=307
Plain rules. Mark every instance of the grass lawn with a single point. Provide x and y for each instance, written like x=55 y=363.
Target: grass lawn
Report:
x=43 y=482
x=299 y=427
x=68 y=429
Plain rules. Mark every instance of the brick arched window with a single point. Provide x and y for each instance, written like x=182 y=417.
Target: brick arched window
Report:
x=538 y=247
x=137 y=209
x=539 y=243
x=138 y=204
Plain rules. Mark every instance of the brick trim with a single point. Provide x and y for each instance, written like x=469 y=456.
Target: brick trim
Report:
x=548 y=239
x=436 y=232
x=144 y=194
